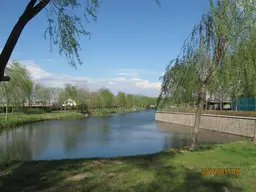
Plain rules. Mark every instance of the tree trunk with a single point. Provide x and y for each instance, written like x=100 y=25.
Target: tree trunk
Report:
x=6 y=112
x=200 y=106
x=254 y=139
x=10 y=44
x=30 y=11
x=236 y=103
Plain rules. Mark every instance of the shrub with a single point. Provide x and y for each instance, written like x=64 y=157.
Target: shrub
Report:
x=82 y=108
x=34 y=111
x=48 y=110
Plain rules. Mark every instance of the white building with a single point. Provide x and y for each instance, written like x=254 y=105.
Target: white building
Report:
x=69 y=102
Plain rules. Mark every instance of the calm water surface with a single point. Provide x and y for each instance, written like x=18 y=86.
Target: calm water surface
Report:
x=108 y=136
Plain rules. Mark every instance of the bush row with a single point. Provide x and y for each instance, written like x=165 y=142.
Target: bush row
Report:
x=37 y=111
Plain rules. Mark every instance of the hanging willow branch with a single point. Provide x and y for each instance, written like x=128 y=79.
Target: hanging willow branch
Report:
x=203 y=52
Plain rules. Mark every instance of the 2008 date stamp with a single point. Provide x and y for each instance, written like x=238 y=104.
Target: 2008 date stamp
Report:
x=220 y=171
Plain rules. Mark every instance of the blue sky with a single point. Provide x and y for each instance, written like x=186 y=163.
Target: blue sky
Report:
x=131 y=44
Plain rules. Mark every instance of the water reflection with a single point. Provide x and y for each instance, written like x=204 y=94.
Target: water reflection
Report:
x=16 y=143
x=108 y=136
x=181 y=135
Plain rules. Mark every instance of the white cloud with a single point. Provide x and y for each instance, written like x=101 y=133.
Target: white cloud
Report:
x=128 y=85
x=36 y=72
x=147 y=84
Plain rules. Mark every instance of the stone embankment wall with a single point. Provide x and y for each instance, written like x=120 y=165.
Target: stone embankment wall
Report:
x=244 y=126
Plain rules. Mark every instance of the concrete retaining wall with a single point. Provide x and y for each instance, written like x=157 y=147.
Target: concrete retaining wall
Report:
x=244 y=126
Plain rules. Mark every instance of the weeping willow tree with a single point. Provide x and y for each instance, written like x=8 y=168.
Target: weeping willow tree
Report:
x=65 y=19
x=179 y=83
x=245 y=58
x=247 y=61
x=221 y=84
x=236 y=77
x=16 y=90
x=217 y=36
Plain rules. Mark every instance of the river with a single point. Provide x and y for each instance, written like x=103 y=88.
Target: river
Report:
x=108 y=136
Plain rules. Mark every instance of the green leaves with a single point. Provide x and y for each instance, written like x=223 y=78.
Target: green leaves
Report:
x=42 y=94
x=130 y=100
x=220 y=52
x=18 y=90
x=106 y=97
x=179 y=82
x=121 y=99
x=66 y=24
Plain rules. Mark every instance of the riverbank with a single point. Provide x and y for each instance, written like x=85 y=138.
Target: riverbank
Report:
x=102 y=112
x=169 y=170
x=236 y=125
x=21 y=119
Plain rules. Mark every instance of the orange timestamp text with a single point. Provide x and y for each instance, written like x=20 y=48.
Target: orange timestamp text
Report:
x=220 y=171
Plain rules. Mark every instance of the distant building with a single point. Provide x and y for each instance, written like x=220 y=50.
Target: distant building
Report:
x=151 y=107
x=69 y=102
x=214 y=102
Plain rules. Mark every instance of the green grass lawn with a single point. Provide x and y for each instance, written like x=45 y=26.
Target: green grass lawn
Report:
x=99 y=112
x=19 y=119
x=169 y=170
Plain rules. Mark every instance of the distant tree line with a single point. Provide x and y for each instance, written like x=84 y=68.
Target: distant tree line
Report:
x=22 y=91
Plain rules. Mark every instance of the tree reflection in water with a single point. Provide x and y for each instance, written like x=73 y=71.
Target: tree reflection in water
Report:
x=181 y=135
x=23 y=143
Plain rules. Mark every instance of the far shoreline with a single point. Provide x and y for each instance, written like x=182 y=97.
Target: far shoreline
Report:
x=19 y=119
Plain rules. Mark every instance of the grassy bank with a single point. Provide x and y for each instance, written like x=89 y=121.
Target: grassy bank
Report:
x=21 y=119
x=100 y=112
x=169 y=170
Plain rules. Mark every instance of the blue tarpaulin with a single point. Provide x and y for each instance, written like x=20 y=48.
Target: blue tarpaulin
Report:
x=244 y=104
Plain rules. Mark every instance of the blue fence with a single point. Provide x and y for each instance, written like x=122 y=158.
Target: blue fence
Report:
x=244 y=104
